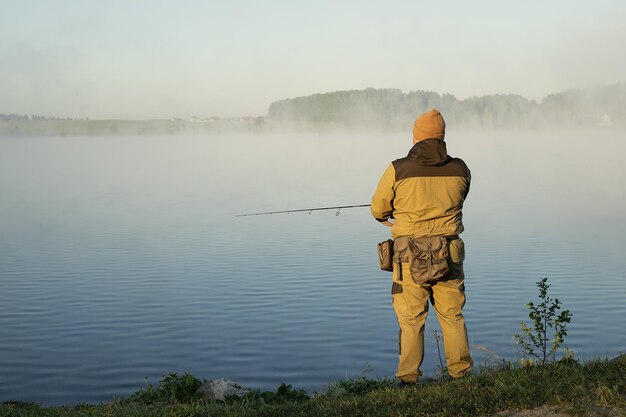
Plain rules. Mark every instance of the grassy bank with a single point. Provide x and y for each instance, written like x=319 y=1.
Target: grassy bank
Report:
x=594 y=387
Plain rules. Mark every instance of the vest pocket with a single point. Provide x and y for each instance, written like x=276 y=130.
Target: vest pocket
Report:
x=427 y=257
x=457 y=251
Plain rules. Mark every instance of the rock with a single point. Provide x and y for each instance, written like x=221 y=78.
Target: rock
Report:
x=219 y=389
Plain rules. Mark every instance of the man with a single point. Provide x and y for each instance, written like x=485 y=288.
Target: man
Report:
x=423 y=194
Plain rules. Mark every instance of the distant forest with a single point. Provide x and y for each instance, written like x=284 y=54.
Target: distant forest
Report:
x=392 y=109
x=382 y=109
x=16 y=125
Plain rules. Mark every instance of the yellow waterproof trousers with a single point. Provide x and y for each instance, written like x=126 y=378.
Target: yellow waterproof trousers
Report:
x=410 y=302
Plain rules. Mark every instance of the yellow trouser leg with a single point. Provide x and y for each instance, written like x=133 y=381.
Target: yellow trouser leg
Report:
x=411 y=307
x=448 y=299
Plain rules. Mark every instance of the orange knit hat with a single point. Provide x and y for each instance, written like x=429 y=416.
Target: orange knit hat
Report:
x=429 y=125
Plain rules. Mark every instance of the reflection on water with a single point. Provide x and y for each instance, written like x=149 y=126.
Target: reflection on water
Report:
x=121 y=258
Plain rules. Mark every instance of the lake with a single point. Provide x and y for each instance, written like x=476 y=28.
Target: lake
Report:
x=121 y=259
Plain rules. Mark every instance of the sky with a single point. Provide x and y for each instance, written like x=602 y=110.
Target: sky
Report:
x=144 y=59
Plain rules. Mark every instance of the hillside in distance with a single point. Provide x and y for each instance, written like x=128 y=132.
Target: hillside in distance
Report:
x=603 y=105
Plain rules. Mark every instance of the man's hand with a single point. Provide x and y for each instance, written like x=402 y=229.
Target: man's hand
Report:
x=387 y=223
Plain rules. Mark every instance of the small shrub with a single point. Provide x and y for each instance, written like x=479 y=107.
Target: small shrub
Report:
x=549 y=328
x=19 y=404
x=284 y=393
x=359 y=386
x=172 y=388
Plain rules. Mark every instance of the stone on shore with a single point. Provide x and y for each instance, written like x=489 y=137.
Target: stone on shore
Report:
x=219 y=389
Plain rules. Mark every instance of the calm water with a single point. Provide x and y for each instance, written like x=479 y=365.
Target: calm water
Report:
x=121 y=259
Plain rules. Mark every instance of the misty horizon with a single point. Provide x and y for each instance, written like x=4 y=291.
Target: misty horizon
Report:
x=200 y=116
x=143 y=60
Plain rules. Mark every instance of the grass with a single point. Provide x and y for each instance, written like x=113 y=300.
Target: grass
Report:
x=171 y=389
x=572 y=386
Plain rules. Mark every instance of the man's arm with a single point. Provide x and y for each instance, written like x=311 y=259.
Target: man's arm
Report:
x=382 y=200
x=469 y=181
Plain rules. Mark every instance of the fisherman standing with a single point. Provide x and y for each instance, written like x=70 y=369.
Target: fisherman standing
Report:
x=423 y=195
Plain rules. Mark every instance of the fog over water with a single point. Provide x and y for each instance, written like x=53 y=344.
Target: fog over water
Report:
x=122 y=259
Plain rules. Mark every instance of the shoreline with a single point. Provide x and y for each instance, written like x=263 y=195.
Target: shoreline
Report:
x=595 y=387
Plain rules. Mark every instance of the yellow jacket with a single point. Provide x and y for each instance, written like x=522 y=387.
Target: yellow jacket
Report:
x=423 y=192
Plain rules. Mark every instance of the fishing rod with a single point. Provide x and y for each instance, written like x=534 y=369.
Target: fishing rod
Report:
x=338 y=208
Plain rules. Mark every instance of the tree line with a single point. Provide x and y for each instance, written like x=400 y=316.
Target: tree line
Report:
x=391 y=108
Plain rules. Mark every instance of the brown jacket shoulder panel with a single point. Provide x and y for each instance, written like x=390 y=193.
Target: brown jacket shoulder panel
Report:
x=409 y=168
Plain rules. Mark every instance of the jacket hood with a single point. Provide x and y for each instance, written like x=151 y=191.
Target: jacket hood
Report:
x=429 y=152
